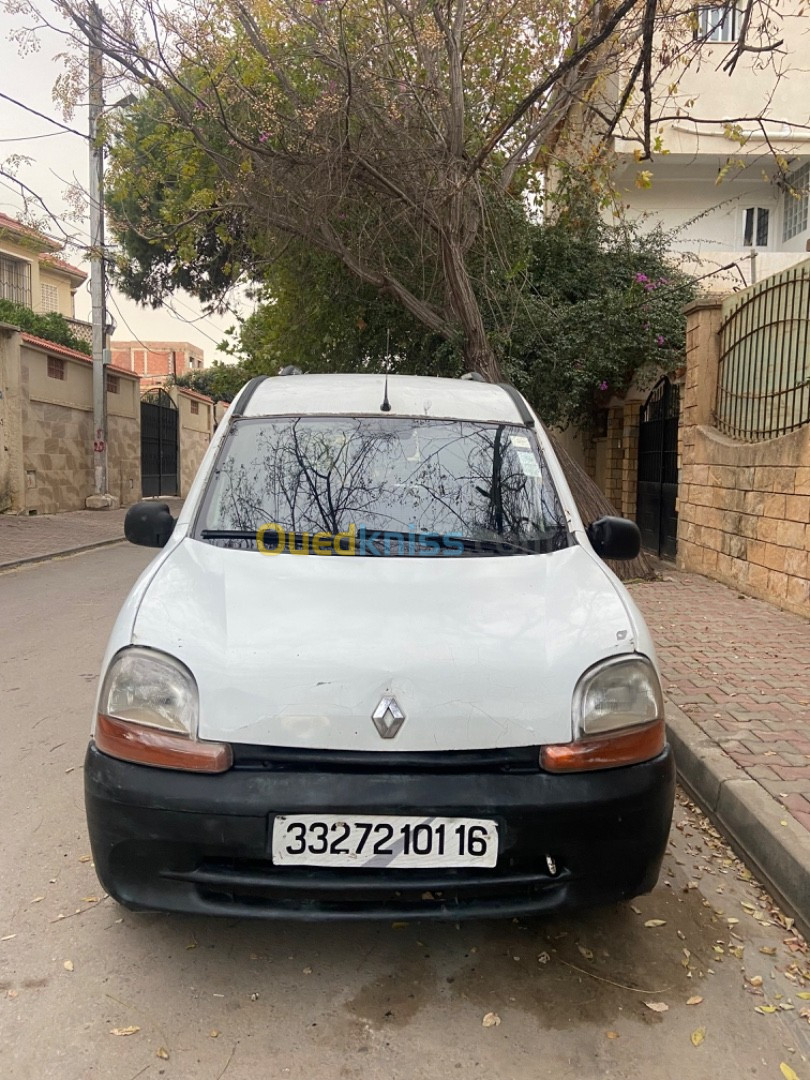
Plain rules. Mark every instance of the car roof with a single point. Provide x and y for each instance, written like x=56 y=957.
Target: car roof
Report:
x=408 y=395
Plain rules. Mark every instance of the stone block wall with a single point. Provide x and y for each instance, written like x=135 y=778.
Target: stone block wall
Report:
x=743 y=508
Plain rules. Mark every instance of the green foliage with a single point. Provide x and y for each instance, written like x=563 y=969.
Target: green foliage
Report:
x=595 y=306
x=51 y=327
x=605 y=309
x=220 y=381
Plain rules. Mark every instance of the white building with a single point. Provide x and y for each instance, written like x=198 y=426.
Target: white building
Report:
x=719 y=185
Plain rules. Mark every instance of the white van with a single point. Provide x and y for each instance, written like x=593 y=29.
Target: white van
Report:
x=378 y=669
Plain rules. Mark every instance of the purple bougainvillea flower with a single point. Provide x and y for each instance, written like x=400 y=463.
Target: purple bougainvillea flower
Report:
x=603 y=385
x=659 y=339
x=264 y=137
x=641 y=278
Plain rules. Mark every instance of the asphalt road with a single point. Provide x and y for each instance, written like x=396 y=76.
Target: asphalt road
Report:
x=241 y=1000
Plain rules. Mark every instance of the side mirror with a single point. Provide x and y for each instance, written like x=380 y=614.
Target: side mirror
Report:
x=615 y=538
x=149 y=524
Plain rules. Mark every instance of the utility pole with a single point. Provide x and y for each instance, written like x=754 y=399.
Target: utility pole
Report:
x=98 y=285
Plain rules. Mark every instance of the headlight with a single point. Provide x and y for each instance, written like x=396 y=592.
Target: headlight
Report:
x=619 y=694
x=618 y=718
x=148 y=712
x=150 y=688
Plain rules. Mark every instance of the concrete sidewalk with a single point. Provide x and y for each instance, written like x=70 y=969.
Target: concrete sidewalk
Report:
x=32 y=539
x=737 y=678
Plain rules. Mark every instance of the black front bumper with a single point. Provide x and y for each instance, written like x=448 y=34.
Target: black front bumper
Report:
x=173 y=841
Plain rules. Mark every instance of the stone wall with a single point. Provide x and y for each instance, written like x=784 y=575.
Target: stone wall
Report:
x=196 y=426
x=46 y=464
x=743 y=508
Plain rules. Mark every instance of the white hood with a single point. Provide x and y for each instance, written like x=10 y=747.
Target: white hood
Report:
x=479 y=652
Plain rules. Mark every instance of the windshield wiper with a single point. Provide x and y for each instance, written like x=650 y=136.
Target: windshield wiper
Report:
x=501 y=547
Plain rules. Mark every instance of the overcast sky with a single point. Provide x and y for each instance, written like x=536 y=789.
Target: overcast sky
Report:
x=59 y=160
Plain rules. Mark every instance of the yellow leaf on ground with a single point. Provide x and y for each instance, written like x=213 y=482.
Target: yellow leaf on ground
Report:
x=787 y=1072
x=124 y=1031
x=765 y=1009
x=214 y=1033
x=612 y=1034
x=491 y=1020
x=803 y=994
x=698 y=1036
x=696 y=1000
x=162 y=1053
x=85 y=858
x=657 y=1006
x=655 y=922
x=68 y=965
x=755 y=980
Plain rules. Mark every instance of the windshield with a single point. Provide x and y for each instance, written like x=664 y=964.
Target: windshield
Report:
x=381 y=486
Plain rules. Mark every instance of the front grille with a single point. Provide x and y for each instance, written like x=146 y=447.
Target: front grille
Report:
x=512 y=759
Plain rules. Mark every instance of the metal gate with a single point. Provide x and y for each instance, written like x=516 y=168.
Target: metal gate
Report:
x=656 y=515
x=159 y=430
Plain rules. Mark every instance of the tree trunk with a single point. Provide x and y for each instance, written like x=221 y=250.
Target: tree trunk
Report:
x=592 y=504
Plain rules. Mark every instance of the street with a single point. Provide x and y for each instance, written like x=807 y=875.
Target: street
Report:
x=89 y=991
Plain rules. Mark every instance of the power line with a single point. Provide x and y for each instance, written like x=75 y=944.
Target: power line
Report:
x=42 y=116
x=29 y=138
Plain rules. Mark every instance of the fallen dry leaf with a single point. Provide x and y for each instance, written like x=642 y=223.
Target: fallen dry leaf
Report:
x=398 y=925
x=612 y=1034
x=755 y=980
x=37 y=899
x=85 y=858
x=657 y=1006
x=804 y=995
x=696 y=1000
x=768 y=950
x=162 y=1053
x=12 y=993
x=89 y=899
x=765 y=1009
x=650 y=923
x=543 y=958
x=585 y=952
x=787 y=1072
x=125 y=1030
x=306 y=971
x=491 y=1020
x=8 y=937
x=698 y=1036
x=68 y=965
x=214 y=1033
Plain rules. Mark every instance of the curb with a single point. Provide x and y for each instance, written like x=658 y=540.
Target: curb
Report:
x=60 y=554
x=760 y=830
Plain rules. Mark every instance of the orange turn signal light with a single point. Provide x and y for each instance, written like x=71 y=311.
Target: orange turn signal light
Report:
x=607 y=751
x=162 y=749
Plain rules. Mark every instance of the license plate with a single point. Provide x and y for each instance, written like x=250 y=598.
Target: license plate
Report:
x=373 y=840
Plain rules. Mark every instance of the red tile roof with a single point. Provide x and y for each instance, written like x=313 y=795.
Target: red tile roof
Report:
x=12 y=225
x=60 y=264
x=71 y=354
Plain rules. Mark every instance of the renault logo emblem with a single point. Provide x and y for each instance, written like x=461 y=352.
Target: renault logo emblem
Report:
x=388 y=717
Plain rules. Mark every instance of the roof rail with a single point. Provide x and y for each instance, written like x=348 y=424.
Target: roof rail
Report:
x=247 y=393
x=518 y=399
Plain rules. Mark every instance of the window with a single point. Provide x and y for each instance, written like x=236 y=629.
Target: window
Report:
x=56 y=368
x=195 y=407
x=756 y=226
x=399 y=487
x=797 y=196
x=15 y=280
x=718 y=22
x=50 y=297
x=113 y=384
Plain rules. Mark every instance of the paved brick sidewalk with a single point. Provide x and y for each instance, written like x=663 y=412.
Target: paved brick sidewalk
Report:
x=32 y=538
x=740 y=669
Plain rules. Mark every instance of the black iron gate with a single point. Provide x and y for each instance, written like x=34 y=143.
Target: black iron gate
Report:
x=159 y=430
x=656 y=515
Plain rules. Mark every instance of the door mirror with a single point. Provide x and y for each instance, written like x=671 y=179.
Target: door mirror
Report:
x=149 y=524
x=615 y=538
